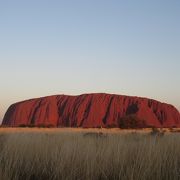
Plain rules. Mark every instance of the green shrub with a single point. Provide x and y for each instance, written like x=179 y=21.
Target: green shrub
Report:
x=41 y=125
x=131 y=122
x=22 y=125
x=45 y=125
x=30 y=125
x=99 y=127
x=50 y=125
x=111 y=126
x=155 y=131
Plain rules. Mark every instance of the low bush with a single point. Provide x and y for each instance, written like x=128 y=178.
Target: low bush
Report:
x=30 y=125
x=22 y=125
x=111 y=126
x=155 y=131
x=38 y=125
x=131 y=122
x=45 y=125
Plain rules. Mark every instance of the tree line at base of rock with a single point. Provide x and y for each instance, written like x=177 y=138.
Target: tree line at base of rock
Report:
x=126 y=122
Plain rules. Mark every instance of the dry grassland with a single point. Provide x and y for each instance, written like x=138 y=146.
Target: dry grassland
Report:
x=88 y=154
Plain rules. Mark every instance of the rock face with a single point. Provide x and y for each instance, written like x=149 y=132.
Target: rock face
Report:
x=90 y=110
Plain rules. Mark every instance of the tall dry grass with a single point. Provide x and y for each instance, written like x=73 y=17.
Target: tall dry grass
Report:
x=72 y=156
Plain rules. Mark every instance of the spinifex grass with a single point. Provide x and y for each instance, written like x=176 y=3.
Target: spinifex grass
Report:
x=46 y=156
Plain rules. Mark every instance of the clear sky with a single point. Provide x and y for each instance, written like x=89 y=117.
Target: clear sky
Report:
x=78 y=46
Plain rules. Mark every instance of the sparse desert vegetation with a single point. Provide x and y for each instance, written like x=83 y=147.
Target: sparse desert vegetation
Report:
x=89 y=155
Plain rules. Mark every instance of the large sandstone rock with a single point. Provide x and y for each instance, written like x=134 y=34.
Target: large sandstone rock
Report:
x=90 y=110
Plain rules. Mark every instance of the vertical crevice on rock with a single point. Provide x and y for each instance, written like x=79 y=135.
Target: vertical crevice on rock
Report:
x=86 y=112
x=32 y=121
x=105 y=118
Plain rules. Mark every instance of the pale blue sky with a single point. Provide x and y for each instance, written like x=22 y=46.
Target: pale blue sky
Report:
x=73 y=47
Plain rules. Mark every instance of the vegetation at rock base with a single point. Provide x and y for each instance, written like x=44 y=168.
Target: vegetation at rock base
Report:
x=132 y=122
